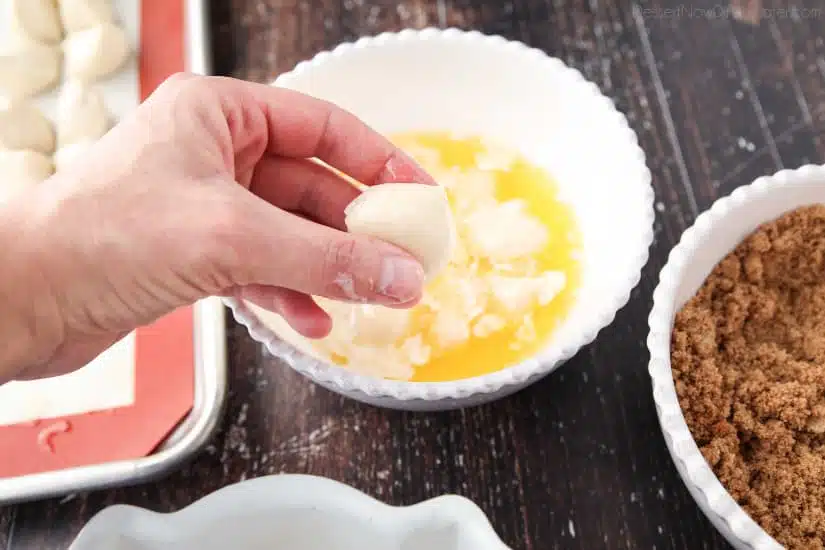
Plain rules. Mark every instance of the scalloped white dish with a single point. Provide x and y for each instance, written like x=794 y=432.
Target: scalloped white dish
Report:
x=471 y=84
x=293 y=512
x=712 y=237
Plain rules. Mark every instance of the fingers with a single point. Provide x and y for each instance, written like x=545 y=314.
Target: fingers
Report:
x=301 y=126
x=304 y=186
x=276 y=248
x=299 y=310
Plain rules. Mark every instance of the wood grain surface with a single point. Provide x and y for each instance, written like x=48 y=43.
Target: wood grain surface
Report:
x=717 y=97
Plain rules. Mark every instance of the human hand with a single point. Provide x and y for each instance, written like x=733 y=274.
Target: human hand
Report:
x=159 y=214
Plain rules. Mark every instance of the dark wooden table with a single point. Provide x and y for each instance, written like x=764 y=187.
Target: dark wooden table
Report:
x=576 y=461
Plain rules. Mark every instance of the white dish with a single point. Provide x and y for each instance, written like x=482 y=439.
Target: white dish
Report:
x=472 y=84
x=293 y=512
x=715 y=234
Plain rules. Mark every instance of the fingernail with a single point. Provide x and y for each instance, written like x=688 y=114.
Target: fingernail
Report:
x=402 y=167
x=401 y=279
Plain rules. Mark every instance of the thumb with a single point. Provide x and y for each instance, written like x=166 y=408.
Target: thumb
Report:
x=277 y=248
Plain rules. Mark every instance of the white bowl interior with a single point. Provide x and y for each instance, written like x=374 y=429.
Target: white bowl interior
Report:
x=474 y=85
x=714 y=235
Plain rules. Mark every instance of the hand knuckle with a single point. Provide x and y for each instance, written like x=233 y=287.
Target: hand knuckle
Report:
x=177 y=82
x=181 y=77
x=222 y=243
x=186 y=87
x=226 y=222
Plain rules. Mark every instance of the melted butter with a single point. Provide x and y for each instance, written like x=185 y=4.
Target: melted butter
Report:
x=525 y=181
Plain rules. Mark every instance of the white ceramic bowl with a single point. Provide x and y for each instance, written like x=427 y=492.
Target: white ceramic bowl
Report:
x=293 y=512
x=713 y=236
x=473 y=84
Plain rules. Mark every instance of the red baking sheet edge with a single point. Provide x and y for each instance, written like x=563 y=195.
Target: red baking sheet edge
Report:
x=165 y=355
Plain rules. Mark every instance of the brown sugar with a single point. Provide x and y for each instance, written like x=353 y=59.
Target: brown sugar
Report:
x=748 y=359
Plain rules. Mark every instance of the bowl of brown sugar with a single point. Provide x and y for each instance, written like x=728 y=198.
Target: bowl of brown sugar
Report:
x=737 y=360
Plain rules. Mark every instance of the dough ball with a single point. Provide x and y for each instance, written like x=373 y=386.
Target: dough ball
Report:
x=503 y=232
x=28 y=69
x=79 y=15
x=95 y=53
x=81 y=114
x=65 y=156
x=23 y=126
x=33 y=20
x=21 y=170
x=412 y=216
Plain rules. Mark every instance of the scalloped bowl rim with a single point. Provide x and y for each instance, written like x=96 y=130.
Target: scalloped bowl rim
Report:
x=292 y=492
x=706 y=488
x=516 y=375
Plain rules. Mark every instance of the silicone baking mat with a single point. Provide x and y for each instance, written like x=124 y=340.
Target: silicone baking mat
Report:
x=123 y=404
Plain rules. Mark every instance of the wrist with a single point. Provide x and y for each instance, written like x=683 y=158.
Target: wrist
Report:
x=30 y=327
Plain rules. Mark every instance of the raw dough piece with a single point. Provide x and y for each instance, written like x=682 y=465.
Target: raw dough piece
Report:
x=517 y=294
x=95 y=53
x=33 y=20
x=416 y=350
x=366 y=324
x=23 y=126
x=473 y=189
x=28 y=69
x=65 y=156
x=21 y=170
x=458 y=290
x=505 y=231
x=450 y=328
x=487 y=324
x=413 y=216
x=81 y=114
x=79 y=15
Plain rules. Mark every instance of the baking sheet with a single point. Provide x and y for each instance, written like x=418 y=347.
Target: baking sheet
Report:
x=109 y=381
x=192 y=434
x=192 y=336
